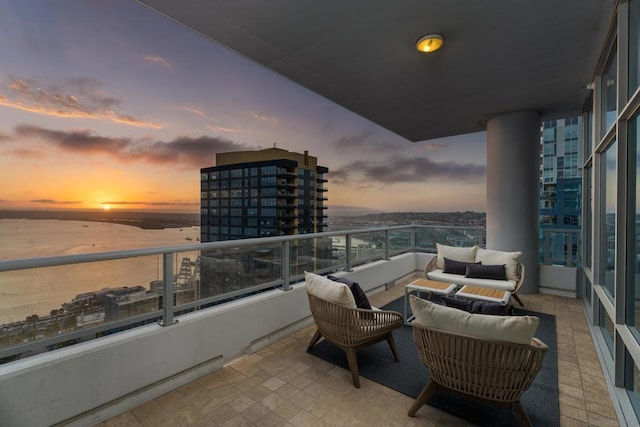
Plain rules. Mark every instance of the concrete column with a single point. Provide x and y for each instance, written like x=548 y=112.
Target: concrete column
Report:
x=513 y=187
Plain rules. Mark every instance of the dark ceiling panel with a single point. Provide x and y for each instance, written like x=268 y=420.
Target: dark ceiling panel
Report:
x=499 y=55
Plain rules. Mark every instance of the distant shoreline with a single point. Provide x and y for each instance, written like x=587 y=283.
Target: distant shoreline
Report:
x=143 y=220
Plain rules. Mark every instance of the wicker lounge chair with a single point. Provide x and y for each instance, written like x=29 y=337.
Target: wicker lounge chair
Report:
x=352 y=329
x=497 y=372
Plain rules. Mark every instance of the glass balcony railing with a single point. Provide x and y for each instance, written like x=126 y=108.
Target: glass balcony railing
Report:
x=58 y=301
x=560 y=246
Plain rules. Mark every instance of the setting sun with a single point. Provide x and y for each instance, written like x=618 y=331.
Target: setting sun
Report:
x=106 y=207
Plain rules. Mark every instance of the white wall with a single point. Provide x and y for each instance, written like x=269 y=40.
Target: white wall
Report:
x=558 y=280
x=62 y=384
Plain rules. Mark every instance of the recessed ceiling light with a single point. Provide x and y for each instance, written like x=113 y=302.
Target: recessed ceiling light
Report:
x=430 y=43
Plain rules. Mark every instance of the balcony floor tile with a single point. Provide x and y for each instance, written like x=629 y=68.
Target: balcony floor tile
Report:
x=282 y=385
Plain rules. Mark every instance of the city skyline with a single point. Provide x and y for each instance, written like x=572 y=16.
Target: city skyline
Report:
x=111 y=105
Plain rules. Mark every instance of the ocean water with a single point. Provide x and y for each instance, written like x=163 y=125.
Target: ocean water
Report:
x=38 y=291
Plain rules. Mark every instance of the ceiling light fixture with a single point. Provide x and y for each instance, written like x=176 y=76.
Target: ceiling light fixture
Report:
x=430 y=43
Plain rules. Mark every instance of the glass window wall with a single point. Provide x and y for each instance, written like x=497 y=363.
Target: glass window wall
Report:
x=633 y=239
x=609 y=92
x=634 y=46
x=608 y=220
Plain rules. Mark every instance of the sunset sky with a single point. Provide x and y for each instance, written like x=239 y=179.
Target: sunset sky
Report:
x=109 y=104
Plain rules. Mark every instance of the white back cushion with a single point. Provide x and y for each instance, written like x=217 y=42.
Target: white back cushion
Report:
x=509 y=259
x=516 y=329
x=328 y=290
x=462 y=254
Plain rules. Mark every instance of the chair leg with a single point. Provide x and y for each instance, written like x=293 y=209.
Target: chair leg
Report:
x=517 y=298
x=520 y=415
x=423 y=397
x=314 y=340
x=352 y=359
x=392 y=344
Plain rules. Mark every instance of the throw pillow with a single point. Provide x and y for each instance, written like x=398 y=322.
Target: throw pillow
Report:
x=328 y=290
x=358 y=294
x=456 y=267
x=478 y=271
x=459 y=303
x=509 y=259
x=495 y=308
x=480 y=307
x=464 y=254
x=517 y=329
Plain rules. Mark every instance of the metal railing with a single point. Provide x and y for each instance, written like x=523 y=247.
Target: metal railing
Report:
x=207 y=274
x=560 y=246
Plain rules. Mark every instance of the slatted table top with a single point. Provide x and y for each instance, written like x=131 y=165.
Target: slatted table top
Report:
x=487 y=294
x=427 y=285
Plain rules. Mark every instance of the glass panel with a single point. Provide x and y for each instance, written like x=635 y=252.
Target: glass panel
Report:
x=366 y=246
x=231 y=272
x=633 y=261
x=632 y=382
x=634 y=46
x=315 y=254
x=588 y=215
x=39 y=303
x=608 y=226
x=399 y=241
x=606 y=326
x=609 y=92
x=427 y=237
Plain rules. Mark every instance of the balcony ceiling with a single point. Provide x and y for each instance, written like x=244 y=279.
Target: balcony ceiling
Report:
x=499 y=55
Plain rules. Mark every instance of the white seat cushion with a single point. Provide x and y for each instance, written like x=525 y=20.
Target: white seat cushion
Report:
x=328 y=290
x=458 y=279
x=516 y=329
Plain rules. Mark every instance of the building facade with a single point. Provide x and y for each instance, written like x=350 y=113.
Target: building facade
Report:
x=263 y=193
x=250 y=194
x=560 y=190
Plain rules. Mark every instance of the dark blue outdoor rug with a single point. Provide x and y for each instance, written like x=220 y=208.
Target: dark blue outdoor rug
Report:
x=409 y=376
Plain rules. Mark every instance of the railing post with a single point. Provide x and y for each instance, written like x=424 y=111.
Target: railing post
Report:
x=569 y=251
x=386 y=245
x=284 y=262
x=546 y=256
x=414 y=237
x=167 y=289
x=347 y=248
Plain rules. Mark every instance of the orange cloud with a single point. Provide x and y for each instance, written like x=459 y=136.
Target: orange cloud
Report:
x=194 y=110
x=264 y=117
x=158 y=60
x=186 y=151
x=84 y=100
x=222 y=129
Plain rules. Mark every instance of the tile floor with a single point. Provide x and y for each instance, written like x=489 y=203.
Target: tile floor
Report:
x=282 y=385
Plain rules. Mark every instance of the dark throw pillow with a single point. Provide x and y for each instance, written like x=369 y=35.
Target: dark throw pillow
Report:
x=456 y=267
x=459 y=303
x=479 y=307
x=356 y=290
x=496 y=272
x=496 y=308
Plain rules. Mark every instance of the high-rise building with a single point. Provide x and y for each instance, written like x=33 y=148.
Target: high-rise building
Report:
x=262 y=193
x=560 y=188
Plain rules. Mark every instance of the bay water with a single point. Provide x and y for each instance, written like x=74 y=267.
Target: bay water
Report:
x=38 y=291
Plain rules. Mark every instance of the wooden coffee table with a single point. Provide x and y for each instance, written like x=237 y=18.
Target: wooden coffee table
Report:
x=430 y=287
x=485 y=294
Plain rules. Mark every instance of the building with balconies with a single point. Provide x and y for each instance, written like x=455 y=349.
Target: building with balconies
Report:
x=271 y=192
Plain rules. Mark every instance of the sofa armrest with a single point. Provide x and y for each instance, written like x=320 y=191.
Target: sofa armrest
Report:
x=431 y=265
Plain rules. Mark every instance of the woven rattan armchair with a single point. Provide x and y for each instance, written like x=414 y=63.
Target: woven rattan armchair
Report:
x=497 y=372
x=351 y=329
